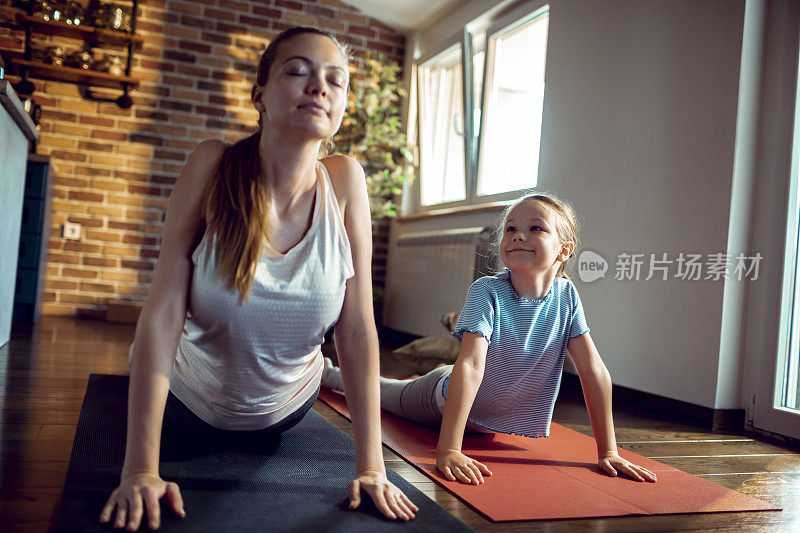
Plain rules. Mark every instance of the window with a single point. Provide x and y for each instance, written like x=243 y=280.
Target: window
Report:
x=506 y=94
x=441 y=129
x=772 y=390
x=512 y=117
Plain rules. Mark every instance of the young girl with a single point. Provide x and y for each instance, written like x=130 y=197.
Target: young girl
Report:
x=515 y=328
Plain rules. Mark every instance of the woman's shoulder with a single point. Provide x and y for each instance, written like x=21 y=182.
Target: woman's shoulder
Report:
x=347 y=178
x=201 y=165
x=208 y=151
x=203 y=161
x=345 y=172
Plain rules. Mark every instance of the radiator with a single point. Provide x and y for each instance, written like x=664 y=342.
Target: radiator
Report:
x=428 y=274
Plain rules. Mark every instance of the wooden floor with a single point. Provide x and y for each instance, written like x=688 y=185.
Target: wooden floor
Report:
x=43 y=375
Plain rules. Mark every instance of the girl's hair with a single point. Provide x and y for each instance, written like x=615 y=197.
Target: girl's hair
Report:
x=236 y=198
x=565 y=221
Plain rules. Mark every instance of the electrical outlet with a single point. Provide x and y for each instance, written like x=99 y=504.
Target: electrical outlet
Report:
x=71 y=231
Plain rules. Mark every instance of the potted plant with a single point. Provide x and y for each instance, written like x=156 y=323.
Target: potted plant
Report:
x=372 y=132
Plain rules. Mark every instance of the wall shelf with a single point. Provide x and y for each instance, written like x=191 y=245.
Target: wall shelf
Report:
x=80 y=76
x=81 y=31
x=25 y=65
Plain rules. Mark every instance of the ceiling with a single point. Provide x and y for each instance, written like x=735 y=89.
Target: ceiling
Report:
x=403 y=15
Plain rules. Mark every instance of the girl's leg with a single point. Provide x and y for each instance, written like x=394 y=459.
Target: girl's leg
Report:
x=412 y=399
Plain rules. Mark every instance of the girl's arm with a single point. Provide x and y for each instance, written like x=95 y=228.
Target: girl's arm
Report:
x=463 y=386
x=356 y=341
x=596 y=384
x=157 y=334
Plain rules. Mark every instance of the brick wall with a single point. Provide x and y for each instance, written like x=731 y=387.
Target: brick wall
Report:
x=115 y=167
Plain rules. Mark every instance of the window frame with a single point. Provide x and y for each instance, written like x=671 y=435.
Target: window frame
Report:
x=449 y=46
x=497 y=30
x=441 y=54
x=764 y=413
x=474 y=37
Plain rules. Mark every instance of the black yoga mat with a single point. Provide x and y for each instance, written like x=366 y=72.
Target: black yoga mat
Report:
x=230 y=481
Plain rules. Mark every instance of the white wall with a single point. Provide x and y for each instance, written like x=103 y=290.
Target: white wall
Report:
x=639 y=134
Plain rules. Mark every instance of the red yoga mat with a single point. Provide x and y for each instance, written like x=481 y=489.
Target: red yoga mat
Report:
x=556 y=477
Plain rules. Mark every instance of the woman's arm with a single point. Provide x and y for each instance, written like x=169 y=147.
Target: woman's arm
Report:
x=157 y=334
x=356 y=341
x=465 y=379
x=596 y=384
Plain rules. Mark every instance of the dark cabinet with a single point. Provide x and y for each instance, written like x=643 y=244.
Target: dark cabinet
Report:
x=34 y=237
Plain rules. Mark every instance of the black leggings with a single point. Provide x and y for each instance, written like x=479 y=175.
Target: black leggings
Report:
x=178 y=418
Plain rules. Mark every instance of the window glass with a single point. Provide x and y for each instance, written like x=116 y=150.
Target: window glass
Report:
x=441 y=118
x=512 y=114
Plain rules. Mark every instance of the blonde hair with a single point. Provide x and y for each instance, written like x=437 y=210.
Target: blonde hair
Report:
x=236 y=198
x=566 y=223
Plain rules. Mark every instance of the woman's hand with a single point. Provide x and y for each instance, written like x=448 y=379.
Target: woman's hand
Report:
x=457 y=466
x=138 y=493
x=387 y=498
x=611 y=463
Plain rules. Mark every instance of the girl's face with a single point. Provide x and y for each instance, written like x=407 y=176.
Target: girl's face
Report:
x=530 y=241
x=306 y=89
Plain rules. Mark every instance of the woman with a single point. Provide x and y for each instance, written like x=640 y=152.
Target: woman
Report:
x=260 y=236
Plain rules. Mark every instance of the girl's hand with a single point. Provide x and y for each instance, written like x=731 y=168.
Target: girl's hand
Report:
x=457 y=466
x=611 y=462
x=138 y=493
x=387 y=498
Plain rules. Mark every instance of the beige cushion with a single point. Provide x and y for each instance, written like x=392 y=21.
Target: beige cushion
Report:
x=422 y=355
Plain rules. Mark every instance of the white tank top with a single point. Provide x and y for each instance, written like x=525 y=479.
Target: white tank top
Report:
x=248 y=366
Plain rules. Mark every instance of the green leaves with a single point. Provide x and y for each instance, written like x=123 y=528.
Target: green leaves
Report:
x=372 y=132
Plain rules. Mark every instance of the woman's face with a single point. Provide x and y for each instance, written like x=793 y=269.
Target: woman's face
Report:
x=306 y=90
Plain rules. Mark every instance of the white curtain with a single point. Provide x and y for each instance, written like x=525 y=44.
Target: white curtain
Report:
x=441 y=134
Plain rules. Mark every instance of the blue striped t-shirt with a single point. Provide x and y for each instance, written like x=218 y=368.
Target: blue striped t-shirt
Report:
x=527 y=343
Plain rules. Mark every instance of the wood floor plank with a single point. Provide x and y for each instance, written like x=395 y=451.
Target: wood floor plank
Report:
x=657 y=450
x=35 y=391
x=57 y=432
x=33 y=474
x=35 y=451
x=28 y=506
x=27 y=527
x=627 y=434
x=785 y=464
x=27 y=432
x=37 y=416
x=41 y=404
x=38 y=382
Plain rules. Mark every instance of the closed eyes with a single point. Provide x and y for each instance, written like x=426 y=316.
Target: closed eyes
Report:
x=336 y=82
